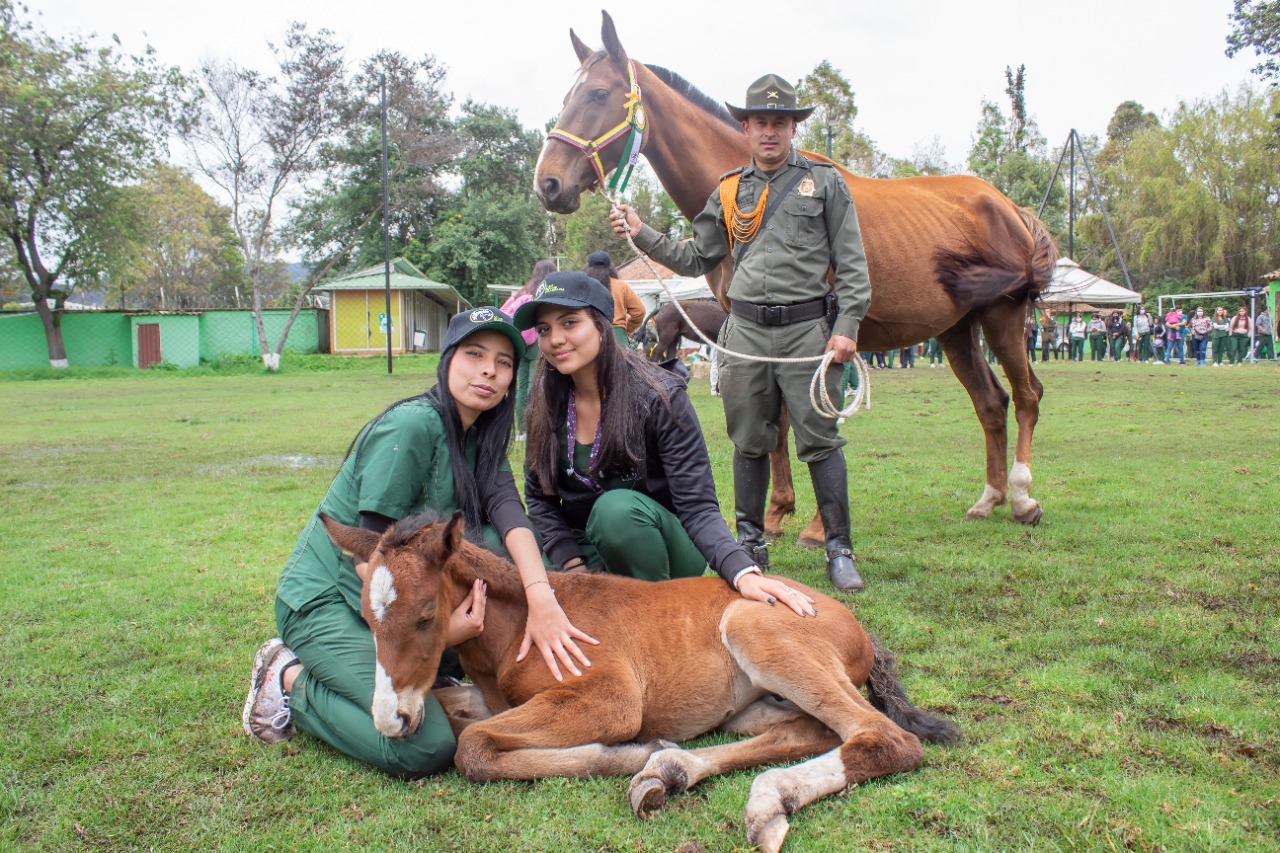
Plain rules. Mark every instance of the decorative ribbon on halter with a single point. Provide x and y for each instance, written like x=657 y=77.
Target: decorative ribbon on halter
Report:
x=635 y=122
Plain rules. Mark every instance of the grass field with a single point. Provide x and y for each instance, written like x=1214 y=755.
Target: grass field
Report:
x=1115 y=669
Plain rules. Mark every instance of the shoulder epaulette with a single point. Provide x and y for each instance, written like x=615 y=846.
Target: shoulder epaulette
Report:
x=816 y=163
x=731 y=173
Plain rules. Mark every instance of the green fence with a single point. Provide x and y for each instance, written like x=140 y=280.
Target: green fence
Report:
x=101 y=338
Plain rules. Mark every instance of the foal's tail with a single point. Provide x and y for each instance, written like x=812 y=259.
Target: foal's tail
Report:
x=999 y=264
x=886 y=693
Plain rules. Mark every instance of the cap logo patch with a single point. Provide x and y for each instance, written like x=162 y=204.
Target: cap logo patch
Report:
x=547 y=287
x=481 y=315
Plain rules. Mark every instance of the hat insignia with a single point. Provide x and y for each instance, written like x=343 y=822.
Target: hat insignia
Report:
x=545 y=288
x=481 y=315
x=772 y=95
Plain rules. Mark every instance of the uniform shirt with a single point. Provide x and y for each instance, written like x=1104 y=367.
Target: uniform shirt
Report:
x=400 y=466
x=806 y=235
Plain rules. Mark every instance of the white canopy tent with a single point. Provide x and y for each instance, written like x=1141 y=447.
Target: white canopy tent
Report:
x=1071 y=284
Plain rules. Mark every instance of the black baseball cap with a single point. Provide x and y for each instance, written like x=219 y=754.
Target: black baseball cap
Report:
x=468 y=323
x=599 y=259
x=571 y=289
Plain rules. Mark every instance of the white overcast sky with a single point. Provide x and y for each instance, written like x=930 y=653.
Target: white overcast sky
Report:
x=919 y=67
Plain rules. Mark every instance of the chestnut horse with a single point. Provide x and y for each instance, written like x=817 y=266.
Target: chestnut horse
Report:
x=676 y=659
x=947 y=256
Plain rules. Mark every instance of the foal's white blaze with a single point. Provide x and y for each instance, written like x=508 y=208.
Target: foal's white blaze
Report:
x=382 y=591
x=386 y=703
x=1020 y=488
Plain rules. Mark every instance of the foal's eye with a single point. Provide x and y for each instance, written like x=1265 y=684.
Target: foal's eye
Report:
x=600 y=96
x=424 y=623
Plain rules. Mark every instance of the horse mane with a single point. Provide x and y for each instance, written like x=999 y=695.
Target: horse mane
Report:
x=694 y=95
x=410 y=526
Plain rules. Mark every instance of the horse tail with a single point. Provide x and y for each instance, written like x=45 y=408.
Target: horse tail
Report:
x=999 y=266
x=887 y=694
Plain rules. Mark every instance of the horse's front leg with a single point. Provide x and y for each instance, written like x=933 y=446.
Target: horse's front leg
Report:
x=575 y=731
x=463 y=705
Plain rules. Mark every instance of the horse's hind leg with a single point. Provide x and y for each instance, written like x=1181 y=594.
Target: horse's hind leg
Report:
x=990 y=403
x=782 y=498
x=1003 y=324
x=672 y=771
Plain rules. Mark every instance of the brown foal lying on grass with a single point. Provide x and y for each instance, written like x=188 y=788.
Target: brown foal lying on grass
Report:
x=676 y=660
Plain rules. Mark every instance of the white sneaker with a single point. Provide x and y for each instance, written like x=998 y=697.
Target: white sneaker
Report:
x=266 y=715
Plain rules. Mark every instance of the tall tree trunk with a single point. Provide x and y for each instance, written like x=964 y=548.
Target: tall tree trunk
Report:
x=52 y=319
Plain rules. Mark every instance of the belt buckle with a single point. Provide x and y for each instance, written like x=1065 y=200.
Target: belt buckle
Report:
x=772 y=315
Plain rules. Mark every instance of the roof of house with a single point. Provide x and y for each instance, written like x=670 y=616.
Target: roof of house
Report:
x=404 y=276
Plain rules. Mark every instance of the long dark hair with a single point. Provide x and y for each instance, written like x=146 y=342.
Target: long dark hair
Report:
x=622 y=375
x=493 y=436
x=540 y=271
x=601 y=272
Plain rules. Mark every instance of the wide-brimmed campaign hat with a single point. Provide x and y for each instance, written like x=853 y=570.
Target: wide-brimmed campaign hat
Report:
x=571 y=289
x=770 y=94
x=477 y=320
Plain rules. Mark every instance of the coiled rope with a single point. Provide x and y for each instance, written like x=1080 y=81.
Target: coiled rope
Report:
x=819 y=397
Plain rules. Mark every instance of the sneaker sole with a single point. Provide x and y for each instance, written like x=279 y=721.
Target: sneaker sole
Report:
x=264 y=653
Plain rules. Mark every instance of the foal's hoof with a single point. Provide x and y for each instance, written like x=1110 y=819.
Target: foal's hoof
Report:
x=1031 y=515
x=647 y=796
x=770 y=836
x=810 y=542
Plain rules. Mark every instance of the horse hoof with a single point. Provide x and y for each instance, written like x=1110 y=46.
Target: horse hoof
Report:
x=978 y=512
x=1031 y=517
x=810 y=542
x=772 y=533
x=647 y=796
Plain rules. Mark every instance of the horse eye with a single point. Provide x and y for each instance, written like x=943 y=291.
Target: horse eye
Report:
x=424 y=623
x=600 y=96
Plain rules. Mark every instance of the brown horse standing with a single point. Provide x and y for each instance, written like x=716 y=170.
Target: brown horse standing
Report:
x=676 y=659
x=671 y=326
x=947 y=256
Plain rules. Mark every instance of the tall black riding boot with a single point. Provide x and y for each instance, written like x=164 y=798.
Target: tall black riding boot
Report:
x=830 y=486
x=750 y=488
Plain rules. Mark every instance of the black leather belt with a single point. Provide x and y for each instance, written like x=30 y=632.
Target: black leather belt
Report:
x=779 y=315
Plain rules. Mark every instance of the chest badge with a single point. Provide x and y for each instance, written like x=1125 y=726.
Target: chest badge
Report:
x=806 y=187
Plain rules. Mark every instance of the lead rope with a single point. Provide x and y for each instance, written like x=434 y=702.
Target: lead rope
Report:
x=819 y=397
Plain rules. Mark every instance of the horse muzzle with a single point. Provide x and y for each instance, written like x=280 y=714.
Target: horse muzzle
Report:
x=395 y=715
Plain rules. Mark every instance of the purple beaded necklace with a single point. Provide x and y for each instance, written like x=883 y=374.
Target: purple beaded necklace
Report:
x=573 y=439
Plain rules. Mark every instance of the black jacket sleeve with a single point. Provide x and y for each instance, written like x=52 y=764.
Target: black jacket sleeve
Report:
x=502 y=504
x=558 y=541
x=682 y=453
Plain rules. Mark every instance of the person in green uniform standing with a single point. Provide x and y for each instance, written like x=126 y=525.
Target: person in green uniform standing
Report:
x=445 y=450
x=617 y=474
x=787 y=222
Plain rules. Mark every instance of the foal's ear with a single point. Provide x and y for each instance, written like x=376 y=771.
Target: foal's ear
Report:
x=353 y=540
x=612 y=46
x=454 y=533
x=579 y=47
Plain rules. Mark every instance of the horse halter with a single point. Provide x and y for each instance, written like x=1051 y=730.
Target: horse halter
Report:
x=636 y=122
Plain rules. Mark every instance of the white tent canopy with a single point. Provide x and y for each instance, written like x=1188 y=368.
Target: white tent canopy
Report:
x=1070 y=283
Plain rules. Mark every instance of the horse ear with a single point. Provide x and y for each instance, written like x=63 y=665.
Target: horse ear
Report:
x=611 y=44
x=453 y=533
x=579 y=47
x=353 y=540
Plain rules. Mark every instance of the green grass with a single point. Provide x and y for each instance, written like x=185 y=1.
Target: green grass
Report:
x=1115 y=670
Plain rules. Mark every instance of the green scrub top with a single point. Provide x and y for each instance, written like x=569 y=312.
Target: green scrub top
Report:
x=399 y=466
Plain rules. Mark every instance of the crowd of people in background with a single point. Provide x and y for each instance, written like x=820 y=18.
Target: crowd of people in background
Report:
x=1215 y=337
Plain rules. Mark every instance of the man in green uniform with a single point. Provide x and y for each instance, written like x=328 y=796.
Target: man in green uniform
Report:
x=787 y=222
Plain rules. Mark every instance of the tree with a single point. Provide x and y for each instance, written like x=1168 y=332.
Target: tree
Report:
x=830 y=128
x=1129 y=119
x=1010 y=152
x=258 y=138
x=1256 y=24
x=338 y=224
x=76 y=124
x=493 y=231
x=1195 y=203
x=184 y=253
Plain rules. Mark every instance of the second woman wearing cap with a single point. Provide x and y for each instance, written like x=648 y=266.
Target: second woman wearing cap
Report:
x=616 y=471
